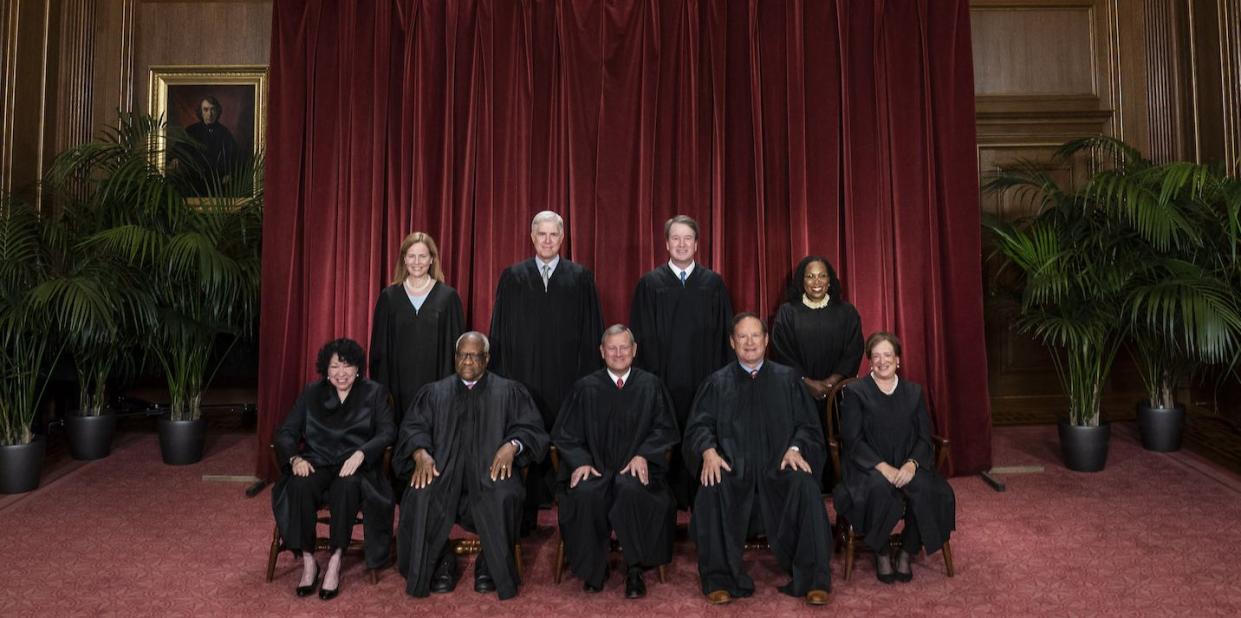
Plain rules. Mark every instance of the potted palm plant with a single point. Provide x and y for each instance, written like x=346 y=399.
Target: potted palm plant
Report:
x=28 y=347
x=1182 y=311
x=1069 y=266
x=198 y=257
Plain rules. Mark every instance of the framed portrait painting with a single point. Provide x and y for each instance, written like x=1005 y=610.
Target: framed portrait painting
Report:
x=218 y=115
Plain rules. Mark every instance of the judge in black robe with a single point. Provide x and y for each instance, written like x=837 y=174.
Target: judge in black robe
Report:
x=882 y=433
x=475 y=429
x=413 y=346
x=817 y=333
x=753 y=434
x=545 y=335
x=331 y=450
x=613 y=435
x=680 y=315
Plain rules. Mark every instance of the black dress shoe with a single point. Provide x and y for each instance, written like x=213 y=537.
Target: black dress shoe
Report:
x=635 y=588
x=482 y=575
x=305 y=591
x=588 y=587
x=445 y=577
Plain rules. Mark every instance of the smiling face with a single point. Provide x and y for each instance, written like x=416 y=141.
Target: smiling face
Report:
x=618 y=351
x=815 y=281
x=211 y=113
x=471 y=359
x=417 y=260
x=342 y=375
x=682 y=244
x=547 y=237
x=883 y=360
x=749 y=341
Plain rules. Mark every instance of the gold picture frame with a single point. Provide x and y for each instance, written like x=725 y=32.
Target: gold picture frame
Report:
x=176 y=95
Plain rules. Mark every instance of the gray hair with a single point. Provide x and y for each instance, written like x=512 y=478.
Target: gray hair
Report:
x=475 y=334
x=545 y=216
x=617 y=329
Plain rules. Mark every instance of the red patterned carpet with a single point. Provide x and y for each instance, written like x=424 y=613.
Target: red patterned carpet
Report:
x=1151 y=535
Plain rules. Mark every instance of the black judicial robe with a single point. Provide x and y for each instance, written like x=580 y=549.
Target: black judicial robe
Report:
x=325 y=432
x=752 y=422
x=818 y=342
x=462 y=429
x=546 y=339
x=410 y=349
x=894 y=428
x=604 y=426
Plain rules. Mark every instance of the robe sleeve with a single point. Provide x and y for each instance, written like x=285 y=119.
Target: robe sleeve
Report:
x=588 y=358
x=569 y=435
x=784 y=340
x=701 y=426
x=384 y=426
x=288 y=438
x=416 y=432
x=807 y=430
x=857 y=450
x=454 y=325
x=923 y=450
x=379 y=341
x=851 y=351
x=499 y=314
x=664 y=432
x=525 y=424
x=642 y=322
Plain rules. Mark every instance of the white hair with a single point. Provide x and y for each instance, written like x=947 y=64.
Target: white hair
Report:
x=617 y=329
x=546 y=215
x=474 y=333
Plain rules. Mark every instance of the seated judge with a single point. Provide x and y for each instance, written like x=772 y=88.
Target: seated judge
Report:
x=753 y=435
x=461 y=444
x=889 y=464
x=331 y=448
x=613 y=434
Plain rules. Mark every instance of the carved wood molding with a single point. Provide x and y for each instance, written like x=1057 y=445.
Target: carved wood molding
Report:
x=76 y=73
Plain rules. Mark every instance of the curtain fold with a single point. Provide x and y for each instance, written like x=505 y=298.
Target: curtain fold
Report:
x=840 y=128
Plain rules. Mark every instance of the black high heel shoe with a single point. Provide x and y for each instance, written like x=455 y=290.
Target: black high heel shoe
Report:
x=888 y=577
x=906 y=575
x=305 y=591
x=328 y=595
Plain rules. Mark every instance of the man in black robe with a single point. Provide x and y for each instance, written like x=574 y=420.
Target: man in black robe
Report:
x=753 y=435
x=460 y=443
x=544 y=329
x=613 y=434
x=680 y=315
x=219 y=154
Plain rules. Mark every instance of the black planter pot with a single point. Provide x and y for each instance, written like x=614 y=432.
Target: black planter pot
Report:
x=1161 y=427
x=90 y=437
x=181 y=442
x=20 y=466
x=1085 y=448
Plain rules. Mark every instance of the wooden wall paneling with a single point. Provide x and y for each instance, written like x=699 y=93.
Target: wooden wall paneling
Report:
x=75 y=79
x=106 y=75
x=25 y=64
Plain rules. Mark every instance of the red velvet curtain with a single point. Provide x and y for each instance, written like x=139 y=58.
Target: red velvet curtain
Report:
x=843 y=128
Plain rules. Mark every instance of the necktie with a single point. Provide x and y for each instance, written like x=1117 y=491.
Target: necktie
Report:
x=547 y=274
x=682 y=278
x=620 y=382
x=471 y=386
x=753 y=373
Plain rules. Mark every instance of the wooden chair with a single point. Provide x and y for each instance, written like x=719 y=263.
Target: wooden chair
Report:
x=846 y=536
x=322 y=517
x=558 y=571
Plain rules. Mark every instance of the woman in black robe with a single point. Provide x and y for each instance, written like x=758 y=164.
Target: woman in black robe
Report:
x=889 y=464
x=331 y=449
x=417 y=321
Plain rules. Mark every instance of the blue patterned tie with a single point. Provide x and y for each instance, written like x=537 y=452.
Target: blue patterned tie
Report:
x=682 y=278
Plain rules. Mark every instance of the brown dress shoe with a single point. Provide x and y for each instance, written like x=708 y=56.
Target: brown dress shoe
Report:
x=818 y=597
x=720 y=597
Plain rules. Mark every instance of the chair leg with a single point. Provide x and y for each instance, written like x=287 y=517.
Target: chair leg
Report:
x=947 y=549
x=663 y=573
x=517 y=557
x=276 y=546
x=558 y=571
x=848 y=554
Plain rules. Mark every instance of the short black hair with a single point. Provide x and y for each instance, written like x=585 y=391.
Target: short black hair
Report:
x=743 y=315
x=796 y=286
x=349 y=352
x=198 y=111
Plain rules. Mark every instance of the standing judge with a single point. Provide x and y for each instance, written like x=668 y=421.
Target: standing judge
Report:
x=816 y=332
x=544 y=330
x=754 y=438
x=331 y=449
x=417 y=320
x=680 y=316
x=889 y=464
x=460 y=445
x=613 y=435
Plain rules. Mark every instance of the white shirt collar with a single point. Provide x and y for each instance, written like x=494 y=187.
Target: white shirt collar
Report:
x=624 y=377
x=538 y=263
x=749 y=369
x=689 y=270
x=896 y=381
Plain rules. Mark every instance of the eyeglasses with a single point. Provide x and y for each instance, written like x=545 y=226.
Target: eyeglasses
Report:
x=470 y=356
